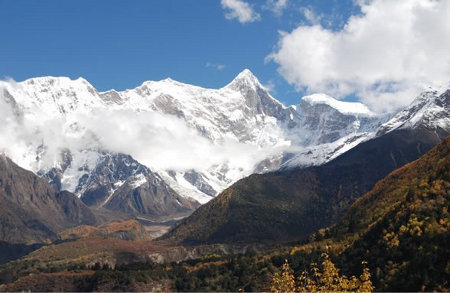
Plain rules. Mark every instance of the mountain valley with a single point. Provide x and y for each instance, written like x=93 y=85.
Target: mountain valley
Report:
x=231 y=173
x=400 y=227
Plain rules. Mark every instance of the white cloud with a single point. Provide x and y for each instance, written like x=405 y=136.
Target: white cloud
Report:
x=311 y=16
x=240 y=10
x=145 y=134
x=276 y=6
x=157 y=140
x=166 y=142
x=270 y=86
x=385 y=56
x=216 y=66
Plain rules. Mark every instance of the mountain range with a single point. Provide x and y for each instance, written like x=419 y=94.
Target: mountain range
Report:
x=233 y=168
x=291 y=204
x=105 y=146
x=398 y=231
x=164 y=148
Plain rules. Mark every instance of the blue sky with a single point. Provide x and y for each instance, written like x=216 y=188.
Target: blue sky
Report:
x=120 y=44
x=380 y=52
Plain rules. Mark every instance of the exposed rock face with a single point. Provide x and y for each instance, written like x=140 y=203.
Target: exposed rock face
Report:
x=150 y=195
x=31 y=210
x=119 y=183
x=109 y=173
x=199 y=181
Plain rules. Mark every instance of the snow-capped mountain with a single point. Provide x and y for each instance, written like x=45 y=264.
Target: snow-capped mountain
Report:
x=241 y=111
x=237 y=124
x=326 y=119
x=192 y=141
x=114 y=178
x=430 y=110
x=328 y=129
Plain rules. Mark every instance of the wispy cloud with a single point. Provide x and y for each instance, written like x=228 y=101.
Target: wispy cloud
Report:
x=311 y=16
x=270 y=86
x=240 y=10
x=276 y=6
x=216 y=66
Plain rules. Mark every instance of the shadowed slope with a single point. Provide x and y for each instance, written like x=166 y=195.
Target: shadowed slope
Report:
x=290 y=205
x=31 y=210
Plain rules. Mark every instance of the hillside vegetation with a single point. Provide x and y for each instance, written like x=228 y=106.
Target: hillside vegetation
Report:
x=399 y=230
x=402 y=226
x=290 y=205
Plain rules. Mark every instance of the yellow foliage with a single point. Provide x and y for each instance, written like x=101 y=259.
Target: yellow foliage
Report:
x=284 y=282
x=323 y=279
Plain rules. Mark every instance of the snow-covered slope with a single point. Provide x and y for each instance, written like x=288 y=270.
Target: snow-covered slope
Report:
x=326 y=120
x=238 y=125
x=328 y=128
x=430 y=110
x=342 y=107
x=242 y=111
x=320 y=154
x=196 y=140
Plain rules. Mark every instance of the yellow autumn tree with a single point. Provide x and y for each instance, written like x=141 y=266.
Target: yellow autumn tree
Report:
x=365 y=285
x=284 y=281
x=325 y=278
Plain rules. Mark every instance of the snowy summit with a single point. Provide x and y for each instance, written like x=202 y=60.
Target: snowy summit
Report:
x=343 y=107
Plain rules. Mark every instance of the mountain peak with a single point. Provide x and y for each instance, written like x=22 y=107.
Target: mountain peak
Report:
x=246 y=73
x=245 y=79
x=343 y=107
x=430 y=109
x=45 y=83
x=168 y=79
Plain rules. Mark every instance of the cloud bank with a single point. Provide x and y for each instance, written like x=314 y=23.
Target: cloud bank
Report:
x=164 y=141
x=159 y=141
x=385 y=56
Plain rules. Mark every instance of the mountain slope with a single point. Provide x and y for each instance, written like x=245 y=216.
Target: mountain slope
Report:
x=290 y=205
x=402 y=226
x=31 y=210
x=120 y=183
x=402 y=221
x=150 y=196
x=429 y=110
